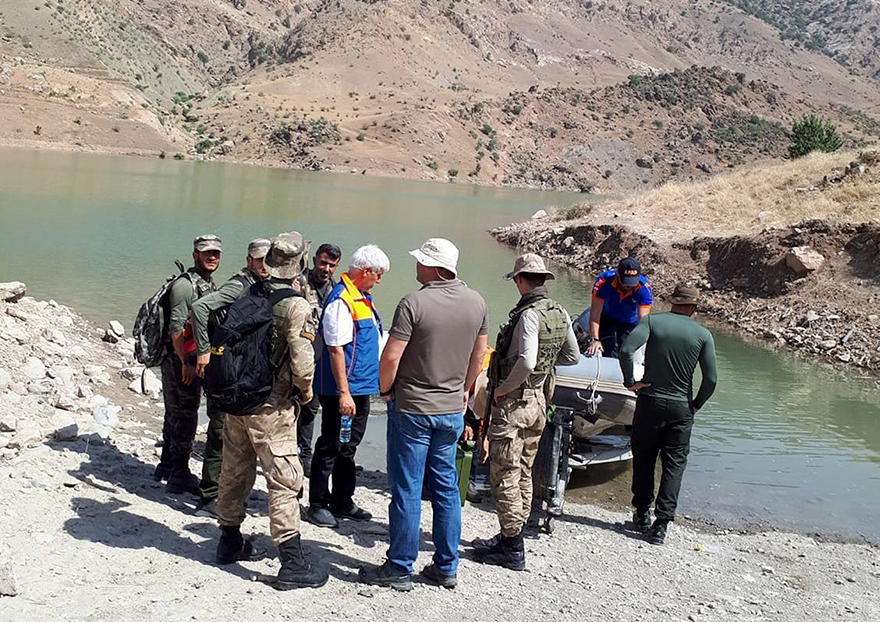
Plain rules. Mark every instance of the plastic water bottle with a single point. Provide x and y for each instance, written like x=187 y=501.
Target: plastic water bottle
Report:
x=345 y=429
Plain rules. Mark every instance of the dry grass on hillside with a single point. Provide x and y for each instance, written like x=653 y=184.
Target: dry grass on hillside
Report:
x=752 y=199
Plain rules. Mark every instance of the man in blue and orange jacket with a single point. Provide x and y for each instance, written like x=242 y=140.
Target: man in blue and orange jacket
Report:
x=621 y=298
x=346 y=375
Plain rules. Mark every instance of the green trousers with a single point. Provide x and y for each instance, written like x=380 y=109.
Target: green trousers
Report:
x=213 y=455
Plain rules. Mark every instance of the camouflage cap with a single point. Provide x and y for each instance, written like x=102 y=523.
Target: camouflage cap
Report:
x=685 y=294
x=259 y=248
x=287 y=255
x=530 y=263
x=207 y=242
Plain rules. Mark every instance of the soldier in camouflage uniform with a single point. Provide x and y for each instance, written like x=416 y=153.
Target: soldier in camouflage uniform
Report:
x=538 y=337
x=317 y=284
x=181 y=386
x=270 y=432
x=207 y=311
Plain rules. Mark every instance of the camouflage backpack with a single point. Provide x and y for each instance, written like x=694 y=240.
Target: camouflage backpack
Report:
x=150 y=332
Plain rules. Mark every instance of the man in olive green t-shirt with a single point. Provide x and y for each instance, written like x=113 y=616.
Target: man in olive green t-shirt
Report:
x=665 y=407
x=181 y=387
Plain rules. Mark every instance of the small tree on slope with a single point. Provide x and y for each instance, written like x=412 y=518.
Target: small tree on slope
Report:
x=813 y=133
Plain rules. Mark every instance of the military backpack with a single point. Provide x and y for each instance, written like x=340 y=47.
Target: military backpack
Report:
x=240 y=374
x=150 y=332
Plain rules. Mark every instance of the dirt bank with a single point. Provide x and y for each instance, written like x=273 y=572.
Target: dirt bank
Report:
x=812 y=286
x=87 y=534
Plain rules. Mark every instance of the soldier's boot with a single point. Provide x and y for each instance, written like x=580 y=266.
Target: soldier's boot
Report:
x=234 y=548
x=509 y=553
x=295 y=569
x=486 y=543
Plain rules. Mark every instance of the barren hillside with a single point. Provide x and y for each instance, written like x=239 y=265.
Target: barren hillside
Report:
x=569 y=93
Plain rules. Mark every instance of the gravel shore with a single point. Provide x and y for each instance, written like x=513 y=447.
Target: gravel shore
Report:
x=88 y=535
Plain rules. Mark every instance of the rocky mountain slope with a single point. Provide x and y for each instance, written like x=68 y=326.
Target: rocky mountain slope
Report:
x=844 y=31
x=569 y=93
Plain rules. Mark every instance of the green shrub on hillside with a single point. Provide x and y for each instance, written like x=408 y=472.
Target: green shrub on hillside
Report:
x=813 y=133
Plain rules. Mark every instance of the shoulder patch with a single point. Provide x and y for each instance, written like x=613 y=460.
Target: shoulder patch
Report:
x=309 y=330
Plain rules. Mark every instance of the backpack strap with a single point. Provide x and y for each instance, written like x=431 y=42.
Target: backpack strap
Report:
x=280 y=294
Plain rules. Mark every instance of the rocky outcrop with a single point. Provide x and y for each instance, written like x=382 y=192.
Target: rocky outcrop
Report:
x=12 y=291
x=60 y=376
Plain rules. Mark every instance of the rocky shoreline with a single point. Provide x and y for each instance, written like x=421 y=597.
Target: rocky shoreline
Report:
x=813 y=287
x=84 y=523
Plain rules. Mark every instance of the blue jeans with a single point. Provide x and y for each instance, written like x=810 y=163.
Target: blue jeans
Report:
x=414 y=442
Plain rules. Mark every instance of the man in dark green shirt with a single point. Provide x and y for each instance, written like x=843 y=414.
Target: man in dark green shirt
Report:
x=665 y=407
x=203 y=311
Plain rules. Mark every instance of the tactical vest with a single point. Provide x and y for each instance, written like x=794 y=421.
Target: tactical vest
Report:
x=552 y=329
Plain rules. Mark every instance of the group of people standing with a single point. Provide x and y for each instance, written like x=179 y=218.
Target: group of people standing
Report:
x=325 y=348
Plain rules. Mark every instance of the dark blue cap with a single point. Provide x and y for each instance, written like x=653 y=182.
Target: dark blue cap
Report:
x=628 y=271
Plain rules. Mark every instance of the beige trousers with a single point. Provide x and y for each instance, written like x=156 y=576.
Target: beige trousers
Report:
x=517 y=423
x=270 y=435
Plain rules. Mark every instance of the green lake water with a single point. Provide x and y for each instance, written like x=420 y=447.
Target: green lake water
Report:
x=787 y=442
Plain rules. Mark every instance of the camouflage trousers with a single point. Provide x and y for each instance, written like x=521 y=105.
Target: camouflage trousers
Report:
x=517 y=423
x=181 y=416
x=270 y=435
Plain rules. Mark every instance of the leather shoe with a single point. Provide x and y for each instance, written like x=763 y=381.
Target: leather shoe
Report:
x=430 y=572
x=321 y=516
x=354 y=513
x=386 y=576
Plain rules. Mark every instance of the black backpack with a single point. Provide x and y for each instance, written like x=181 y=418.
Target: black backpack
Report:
x=240 y=374
x=150 y=331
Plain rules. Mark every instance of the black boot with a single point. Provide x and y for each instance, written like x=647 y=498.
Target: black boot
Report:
x=508 y=552
x=234 y=548
x=295 y=569
x=486 y=543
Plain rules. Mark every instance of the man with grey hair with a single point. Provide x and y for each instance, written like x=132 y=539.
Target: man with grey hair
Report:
x=206 y=312
x=434 y=352
x=269 y=432
x=346 y=375
x=181 y=387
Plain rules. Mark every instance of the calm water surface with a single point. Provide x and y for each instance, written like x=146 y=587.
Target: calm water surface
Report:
x=791 y=443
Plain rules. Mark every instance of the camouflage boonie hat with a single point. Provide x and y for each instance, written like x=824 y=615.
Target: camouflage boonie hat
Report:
x=287 y=255
x=207 y=242
x=259 y=248
x=530 y=263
